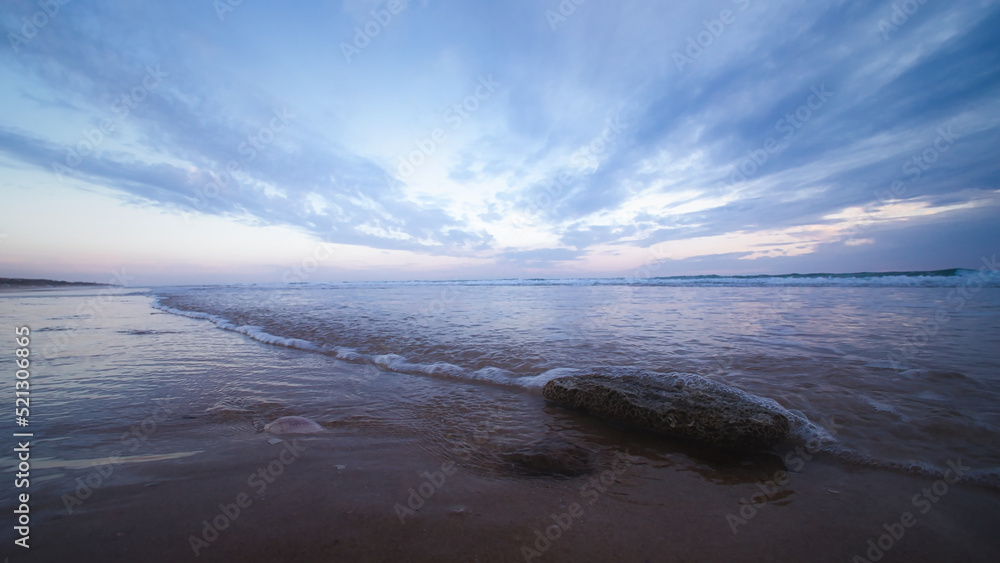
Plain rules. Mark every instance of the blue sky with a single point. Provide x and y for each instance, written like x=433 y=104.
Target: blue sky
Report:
x=201 y=141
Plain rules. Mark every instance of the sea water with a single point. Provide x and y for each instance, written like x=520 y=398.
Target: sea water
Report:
x=899 y=372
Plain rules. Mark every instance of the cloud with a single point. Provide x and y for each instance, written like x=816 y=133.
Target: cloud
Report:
x=790 y=124
x=187 y=141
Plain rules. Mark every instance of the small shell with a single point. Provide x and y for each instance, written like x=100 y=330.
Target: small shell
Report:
x=293 y=425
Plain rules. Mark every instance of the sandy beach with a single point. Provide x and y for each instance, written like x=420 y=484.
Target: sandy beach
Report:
x=335 y=501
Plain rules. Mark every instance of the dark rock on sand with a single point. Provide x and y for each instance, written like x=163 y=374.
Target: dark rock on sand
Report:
x=550 y=458
x=678 y=405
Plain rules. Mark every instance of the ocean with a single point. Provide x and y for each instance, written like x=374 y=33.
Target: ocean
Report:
x=897 y=374
x=908 y=364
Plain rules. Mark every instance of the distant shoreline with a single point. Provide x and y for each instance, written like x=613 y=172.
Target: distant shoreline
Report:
x=31 y=283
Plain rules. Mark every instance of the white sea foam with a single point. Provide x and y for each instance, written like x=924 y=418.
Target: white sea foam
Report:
x=253 y=332
x=389 y=362
x=539 y=381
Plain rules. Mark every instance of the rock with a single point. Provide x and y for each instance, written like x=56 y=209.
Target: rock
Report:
x=678 y=405
x=550 y=458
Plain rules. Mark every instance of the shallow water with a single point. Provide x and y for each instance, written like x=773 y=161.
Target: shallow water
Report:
x=902 y=375
x=460 y=367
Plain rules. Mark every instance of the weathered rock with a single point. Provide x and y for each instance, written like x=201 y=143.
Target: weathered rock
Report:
x=679 y=405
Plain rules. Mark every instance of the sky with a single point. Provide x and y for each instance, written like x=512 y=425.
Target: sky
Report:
x=247 y=141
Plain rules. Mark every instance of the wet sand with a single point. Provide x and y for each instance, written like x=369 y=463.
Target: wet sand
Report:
x=336 y=497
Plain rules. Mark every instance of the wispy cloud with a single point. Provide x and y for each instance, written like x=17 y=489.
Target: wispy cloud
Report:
x=778 y=136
